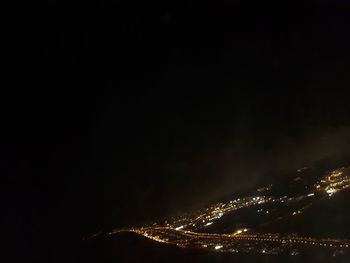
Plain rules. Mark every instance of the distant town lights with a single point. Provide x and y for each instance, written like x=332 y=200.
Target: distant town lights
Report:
x=244 y=240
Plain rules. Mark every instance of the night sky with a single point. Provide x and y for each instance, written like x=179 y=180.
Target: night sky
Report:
x=114 y=114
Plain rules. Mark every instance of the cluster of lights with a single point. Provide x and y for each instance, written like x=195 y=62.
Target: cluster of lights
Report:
x=335 y=181
x=206 y=217
x=180 y=231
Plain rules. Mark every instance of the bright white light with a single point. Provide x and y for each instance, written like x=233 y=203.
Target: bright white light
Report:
x=180 y=227
x=331 y=191
x=312 y=194
x=218 y=247
x=208 y=224
x=240 y=231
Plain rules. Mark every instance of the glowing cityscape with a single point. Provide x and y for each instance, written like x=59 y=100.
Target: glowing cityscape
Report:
x=195 y=230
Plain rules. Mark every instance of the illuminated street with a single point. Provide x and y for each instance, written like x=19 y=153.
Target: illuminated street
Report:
x=246 y=243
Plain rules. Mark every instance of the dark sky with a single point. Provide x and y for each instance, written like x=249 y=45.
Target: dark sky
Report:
x=125 y=112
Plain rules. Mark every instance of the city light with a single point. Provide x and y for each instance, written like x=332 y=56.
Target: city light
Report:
x=182 y=230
